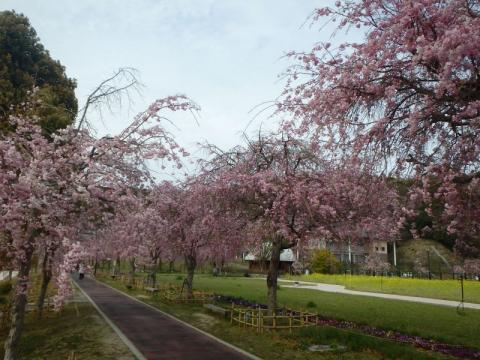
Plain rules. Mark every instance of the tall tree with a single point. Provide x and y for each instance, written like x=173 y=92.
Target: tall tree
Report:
x=407 y=96
x=199 y=228
x=25 y=64
x=289 y=194
x=44 y=184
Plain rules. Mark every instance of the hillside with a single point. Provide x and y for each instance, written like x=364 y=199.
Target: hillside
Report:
x=413 y=255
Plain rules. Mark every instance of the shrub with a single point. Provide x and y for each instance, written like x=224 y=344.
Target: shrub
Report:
x=323 y=261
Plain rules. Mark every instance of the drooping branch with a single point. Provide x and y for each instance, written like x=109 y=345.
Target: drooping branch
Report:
x=110 y=93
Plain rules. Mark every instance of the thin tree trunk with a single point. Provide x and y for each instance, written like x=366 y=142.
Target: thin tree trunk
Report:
x=157 y=266
x=46 y=277
x=18 y=309
x=132 y=271
x=272 y=276
x=154 y=278
x=95 y=266
x=116 y=268
x=191 y=264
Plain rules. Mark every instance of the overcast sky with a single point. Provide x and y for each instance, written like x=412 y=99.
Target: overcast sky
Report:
x=224 y=54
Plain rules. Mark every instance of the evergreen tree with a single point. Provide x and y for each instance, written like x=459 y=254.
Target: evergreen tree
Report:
x=25 y=64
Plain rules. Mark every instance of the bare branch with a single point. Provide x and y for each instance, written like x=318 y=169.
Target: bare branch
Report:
x=110 y=93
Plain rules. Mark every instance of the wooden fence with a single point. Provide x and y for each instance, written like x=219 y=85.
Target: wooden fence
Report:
x=199 y=297
x=261 y=320
x=136 y=283
x=177 y=294
x=169 y=292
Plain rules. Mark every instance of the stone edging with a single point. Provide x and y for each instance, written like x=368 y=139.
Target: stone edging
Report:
x=247 y=354
x=120 y=334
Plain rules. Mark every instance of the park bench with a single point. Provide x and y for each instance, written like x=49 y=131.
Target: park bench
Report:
x=151 y=290
x=217 y=309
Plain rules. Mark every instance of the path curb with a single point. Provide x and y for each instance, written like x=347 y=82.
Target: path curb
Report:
x=120 y=334
x=243 y=352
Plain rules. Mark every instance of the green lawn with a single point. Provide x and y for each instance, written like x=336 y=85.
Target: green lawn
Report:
x=437 y=289
x=437 y=322
x=280 y=345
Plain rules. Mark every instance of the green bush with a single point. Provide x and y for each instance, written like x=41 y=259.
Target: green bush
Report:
x=323 y=261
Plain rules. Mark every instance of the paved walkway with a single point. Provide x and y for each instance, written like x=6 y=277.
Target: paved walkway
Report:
x=342 y=290
x=155 y=334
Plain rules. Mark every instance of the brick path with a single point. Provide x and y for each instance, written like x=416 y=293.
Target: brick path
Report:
x=154 y=334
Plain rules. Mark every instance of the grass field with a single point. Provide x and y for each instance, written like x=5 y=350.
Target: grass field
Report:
x=77 y=330
x=437 y=322
x=281 y=345
x=437 y=289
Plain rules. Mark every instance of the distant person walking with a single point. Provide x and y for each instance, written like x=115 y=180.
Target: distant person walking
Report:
x=81 y=272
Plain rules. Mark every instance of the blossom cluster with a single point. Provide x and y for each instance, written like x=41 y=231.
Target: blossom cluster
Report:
x=406 y=98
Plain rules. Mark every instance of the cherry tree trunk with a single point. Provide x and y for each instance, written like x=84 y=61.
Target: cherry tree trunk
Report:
x=157 y=266
x=132 y=271
x=18 y=309
x=272 y=276
x=116 y=266
x=191 y=264
x=46 y=278
x=153 y=278
x=95 y=267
